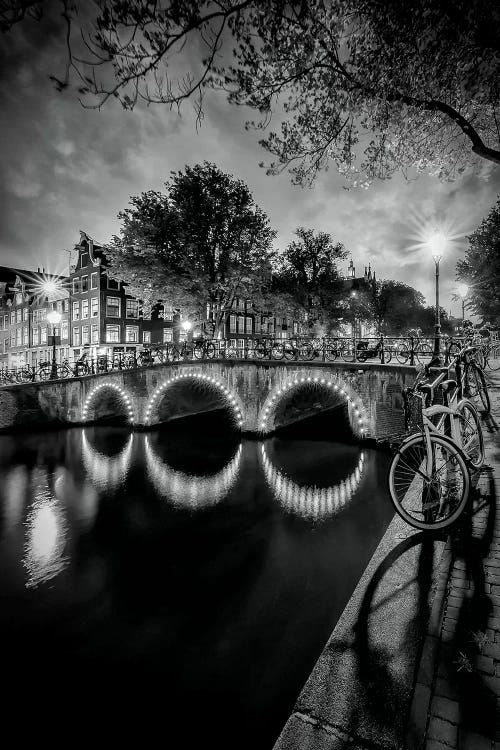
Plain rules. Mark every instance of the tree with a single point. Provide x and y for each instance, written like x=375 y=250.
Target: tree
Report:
x=373 y=86
x=307 y=282
x=204 y=242
x=396 y=306
x=480 y=269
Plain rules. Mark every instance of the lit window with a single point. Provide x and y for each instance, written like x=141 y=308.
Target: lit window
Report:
x=232 y=324
x=18 y=336
x=25 y=314
x=248 y=325
x=112 y=334
x=132 y=308
x=85 y=308
x=146 y=337
x=241 y=324
x=132 y=334
x=18 y=315
x=85 y=335
x=95 y=334
x=167 y=335
x=25 y=336
x=76 y=336
x=76 y=311
x=35 y=336
x=113 y=308
x=43 y=335
x=64 y=329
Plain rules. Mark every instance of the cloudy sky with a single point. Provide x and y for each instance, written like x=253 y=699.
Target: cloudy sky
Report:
x=66 y=168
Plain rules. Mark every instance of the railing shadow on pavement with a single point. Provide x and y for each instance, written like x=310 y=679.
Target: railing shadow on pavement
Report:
x=463 y=662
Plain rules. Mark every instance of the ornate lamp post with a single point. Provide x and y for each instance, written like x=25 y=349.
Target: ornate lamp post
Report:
x=54 y=318
x=437 y=244
x=463 y=290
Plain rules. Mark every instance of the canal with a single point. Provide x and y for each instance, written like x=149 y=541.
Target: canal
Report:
x=174 y=582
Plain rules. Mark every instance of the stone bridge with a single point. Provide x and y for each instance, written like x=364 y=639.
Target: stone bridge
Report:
x=258 y=396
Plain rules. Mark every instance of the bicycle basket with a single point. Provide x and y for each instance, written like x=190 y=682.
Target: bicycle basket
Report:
x=413 y=404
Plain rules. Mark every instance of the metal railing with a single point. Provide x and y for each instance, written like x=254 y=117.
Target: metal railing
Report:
x=408 y=350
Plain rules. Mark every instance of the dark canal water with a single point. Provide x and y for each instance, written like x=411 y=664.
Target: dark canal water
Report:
x=172 y=583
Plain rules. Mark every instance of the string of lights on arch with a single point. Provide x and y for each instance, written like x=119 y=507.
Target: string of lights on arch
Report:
x=115 y=387
x=275 y=397
x=311 y=501
x=200 y=377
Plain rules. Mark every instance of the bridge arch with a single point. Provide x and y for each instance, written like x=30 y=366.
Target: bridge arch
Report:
x=117 y=389
x=229 y=399
x=357 y=412
x=311 y=501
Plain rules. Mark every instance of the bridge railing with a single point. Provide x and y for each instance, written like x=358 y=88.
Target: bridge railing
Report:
x=406 y=350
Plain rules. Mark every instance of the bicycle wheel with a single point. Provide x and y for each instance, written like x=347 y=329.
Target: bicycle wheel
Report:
x=433 y=502
x=260 y=350
x=347 y=351
x=306 y=351
x=453 y=350
x=198 y=351
x=387 y=356
x=476 y=388
x=403 y=355
x=471 y=434
x=331 y=353
x=210 y=351
x=277 y=351
x=44 y=373
x=423 y=353
x=289 y=351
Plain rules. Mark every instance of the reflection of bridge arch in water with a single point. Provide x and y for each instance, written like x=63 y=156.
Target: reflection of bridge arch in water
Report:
x=110 y=386
x=190 y=491
x=107 y=472
x=357 y=413
x=311 y=501
x=229 y=399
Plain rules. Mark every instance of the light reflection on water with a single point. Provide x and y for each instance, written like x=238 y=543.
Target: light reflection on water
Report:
x=222 y=566
x=46 y=531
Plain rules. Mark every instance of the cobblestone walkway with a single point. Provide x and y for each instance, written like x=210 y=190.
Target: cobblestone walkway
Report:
x=458 y=686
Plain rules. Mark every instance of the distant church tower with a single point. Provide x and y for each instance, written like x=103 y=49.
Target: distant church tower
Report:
x=351 y=271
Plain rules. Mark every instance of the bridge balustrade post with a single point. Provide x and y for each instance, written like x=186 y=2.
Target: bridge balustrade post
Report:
x=412 y=350
x=382 y=354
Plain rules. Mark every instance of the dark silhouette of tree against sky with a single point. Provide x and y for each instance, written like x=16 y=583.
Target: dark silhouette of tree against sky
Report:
x=203 y=242
x=396 y=306
x=307 y=282
x=480 y=269
x=371 y=86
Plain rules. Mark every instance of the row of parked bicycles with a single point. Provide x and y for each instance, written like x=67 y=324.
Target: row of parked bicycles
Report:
x=431 y=472
x=405 y=351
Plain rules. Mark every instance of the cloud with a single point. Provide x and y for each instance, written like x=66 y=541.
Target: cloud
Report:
x=68 y=168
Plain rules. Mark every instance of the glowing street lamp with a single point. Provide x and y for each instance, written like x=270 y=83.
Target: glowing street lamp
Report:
x=186 y=326
x=54 y=318
x=437 y=245
x=463 y=291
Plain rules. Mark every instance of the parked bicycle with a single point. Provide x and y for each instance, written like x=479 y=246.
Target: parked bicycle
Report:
x=364 y=351
x=429 y=476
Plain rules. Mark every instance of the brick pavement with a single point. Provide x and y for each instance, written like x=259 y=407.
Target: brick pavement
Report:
x=457 y=694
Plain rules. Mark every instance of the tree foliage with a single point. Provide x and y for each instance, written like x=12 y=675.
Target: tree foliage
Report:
x=480 y=269
x=307 y=282
x=202 y=242
x=372 y=86
x=396 y=307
